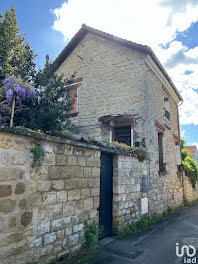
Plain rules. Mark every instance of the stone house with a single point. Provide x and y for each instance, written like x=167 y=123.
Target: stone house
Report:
x=123 y=93
x=193 y=152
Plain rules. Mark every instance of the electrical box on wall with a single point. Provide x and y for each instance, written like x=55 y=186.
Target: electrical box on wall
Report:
x=144 y=205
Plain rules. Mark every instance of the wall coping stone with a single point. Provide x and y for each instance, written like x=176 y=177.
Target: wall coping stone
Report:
x=70 y=139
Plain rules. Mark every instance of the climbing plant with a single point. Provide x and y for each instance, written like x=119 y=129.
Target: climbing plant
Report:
x=38 y=153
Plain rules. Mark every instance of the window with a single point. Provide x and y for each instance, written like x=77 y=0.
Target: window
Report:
x=123 y=135
x=73 y=96
x=162 y=165
x=166 y=108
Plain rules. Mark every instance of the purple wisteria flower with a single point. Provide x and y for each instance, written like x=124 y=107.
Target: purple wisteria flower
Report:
x=31 y=93
x=9 y=95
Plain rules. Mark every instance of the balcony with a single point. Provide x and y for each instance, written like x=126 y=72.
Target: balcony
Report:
x=166 y=114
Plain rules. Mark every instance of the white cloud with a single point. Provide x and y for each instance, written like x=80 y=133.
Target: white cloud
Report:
x=146 y=22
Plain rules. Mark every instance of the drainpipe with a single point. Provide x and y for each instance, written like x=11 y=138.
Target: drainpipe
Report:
x=180 y=148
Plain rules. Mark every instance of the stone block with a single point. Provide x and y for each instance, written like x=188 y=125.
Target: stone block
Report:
x=49 y=158
x=88 y=203
x=57 y=247
x=12 y=222
x=61 y=159
x=94 y=182
x=10 y=174
x=68 y=172
x=81 y=161
x=56 y=224
x=82 y=183
x=79 y=207
x=44 y=186
x=50 y=238
x=19 y=159
x=43 y=228
x=7 y=205
x=73 y=240
x=61 y=196
x=71 y=183
x=19 y=188
x=93 y=162
x=55 y=173
x=71 y=161
x=74 y=195
x=78 y=228
x=37 y=243
x=58 y=185
x=95 y=172
x=85 y=192
x=6 y=142
x=11 y=239
x=95 y=191
x=5 y=190
x=87 y=172
x=78 y=172
x=49 y=198
x=35 y=199
x=88 y=152
x=26 y=218
x=68 y=208
x=77 y=151
x=93 y=213
x=68 y=231
x=19 y=144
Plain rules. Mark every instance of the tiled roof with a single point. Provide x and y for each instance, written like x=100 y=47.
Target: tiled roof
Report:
x=191 y=149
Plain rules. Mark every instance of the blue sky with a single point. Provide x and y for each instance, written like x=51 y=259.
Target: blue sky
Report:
x=169 y=27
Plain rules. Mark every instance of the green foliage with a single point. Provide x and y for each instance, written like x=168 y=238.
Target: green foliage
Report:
x=182 y=143
x=142 y=225
x=141 y=154
x=38 y=153
x=48 y=112
x=184 y=153
x=191 y=170
x=92 y=232
x=16 y=56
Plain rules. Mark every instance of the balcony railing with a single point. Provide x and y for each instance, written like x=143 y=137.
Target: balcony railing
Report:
x=166 y=114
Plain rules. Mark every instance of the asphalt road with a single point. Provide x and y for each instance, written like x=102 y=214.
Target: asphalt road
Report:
x=155 y=246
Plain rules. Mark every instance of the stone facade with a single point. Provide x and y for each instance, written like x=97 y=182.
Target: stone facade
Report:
x=121 y=80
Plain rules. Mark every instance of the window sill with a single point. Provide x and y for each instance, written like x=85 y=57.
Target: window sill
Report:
x=73 y=114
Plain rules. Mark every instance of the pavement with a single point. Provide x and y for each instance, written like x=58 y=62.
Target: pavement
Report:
x=157 y=245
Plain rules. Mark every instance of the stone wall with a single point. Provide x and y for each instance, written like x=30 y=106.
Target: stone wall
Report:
x=190 y=193
x=43 y=209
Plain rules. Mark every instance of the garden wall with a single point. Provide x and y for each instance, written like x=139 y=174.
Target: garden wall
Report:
x=43 y=209
x=190 y=193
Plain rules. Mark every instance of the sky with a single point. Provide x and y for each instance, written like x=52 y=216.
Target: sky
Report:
x=169 y=27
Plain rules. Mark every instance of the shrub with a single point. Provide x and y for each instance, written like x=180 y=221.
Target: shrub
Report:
x=191 y=170
x=92 y=232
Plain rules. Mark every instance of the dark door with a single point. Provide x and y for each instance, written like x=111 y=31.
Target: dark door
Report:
x=105 y=208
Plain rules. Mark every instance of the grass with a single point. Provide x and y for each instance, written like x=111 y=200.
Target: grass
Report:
x=142 y=225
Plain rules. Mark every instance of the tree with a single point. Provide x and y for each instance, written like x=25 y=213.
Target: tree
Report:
x=48 y=113
x=190 y=165
x=16 y=56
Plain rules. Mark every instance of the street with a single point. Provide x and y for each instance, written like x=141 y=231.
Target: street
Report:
x=155 y=246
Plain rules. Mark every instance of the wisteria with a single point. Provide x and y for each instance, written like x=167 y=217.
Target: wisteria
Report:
x=16 y=91
x=15 y=87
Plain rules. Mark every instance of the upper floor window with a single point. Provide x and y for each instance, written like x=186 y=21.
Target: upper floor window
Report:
x=166 y=108
x=73 y=94
x=166 y=102
x=123 y=135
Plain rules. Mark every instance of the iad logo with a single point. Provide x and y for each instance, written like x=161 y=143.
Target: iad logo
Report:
x=190 y=252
